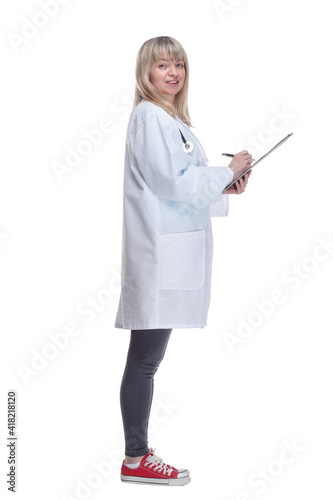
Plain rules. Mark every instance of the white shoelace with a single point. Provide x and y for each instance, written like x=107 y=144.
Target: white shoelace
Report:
x=158 y=464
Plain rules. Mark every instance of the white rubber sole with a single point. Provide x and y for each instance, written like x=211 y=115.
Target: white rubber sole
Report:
x=156 y=482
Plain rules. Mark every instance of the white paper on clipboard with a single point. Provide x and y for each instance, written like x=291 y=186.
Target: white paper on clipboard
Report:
x=254 y=164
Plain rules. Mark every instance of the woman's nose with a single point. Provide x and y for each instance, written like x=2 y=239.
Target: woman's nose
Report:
x=173 y=70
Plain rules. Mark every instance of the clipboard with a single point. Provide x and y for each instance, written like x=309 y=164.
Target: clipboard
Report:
x=255 y=163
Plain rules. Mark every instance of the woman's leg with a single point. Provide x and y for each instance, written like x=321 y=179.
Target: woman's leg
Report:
x=145 y=353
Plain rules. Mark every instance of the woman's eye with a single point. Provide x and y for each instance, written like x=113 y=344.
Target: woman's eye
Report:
x=181 y=65
x=162 y=65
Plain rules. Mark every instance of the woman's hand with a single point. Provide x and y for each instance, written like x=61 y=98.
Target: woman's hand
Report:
x=240 y=185
x=240 y=162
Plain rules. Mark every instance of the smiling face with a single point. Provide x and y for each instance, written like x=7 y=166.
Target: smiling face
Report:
x=168 y=77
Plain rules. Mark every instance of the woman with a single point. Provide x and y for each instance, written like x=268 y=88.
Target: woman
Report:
x=169 y=196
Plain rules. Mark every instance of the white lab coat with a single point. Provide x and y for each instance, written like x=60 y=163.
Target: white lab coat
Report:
x=167 y=247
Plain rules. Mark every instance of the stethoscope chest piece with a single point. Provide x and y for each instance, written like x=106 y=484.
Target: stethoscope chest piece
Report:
x=188 y=146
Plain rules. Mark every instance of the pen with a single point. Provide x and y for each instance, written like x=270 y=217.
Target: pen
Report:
x=231 y=156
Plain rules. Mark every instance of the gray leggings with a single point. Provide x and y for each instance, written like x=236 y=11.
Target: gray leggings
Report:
x=145 y=353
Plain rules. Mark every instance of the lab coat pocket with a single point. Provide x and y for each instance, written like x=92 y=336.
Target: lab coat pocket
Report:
x=182 y=260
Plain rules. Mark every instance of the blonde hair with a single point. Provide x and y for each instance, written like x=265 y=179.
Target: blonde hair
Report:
x=150 y=52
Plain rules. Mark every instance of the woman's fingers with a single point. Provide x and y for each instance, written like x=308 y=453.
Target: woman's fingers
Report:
x=247 y=155
x=240 y=185
x=246 y=177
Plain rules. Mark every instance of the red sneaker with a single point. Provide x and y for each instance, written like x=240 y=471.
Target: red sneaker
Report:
x=152 y=470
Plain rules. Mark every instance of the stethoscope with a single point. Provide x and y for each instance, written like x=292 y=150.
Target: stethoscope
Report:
x=188 y=146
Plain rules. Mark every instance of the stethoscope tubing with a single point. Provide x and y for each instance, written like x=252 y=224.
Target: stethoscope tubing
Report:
x=188 y=146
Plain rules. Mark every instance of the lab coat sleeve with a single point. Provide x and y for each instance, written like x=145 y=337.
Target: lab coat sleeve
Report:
x=221 y=207
x=166 y=167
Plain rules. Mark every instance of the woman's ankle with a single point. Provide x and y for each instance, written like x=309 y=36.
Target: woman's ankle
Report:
x=133 y=460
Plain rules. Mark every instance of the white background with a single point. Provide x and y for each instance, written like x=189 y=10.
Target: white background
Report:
x=223 y=412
